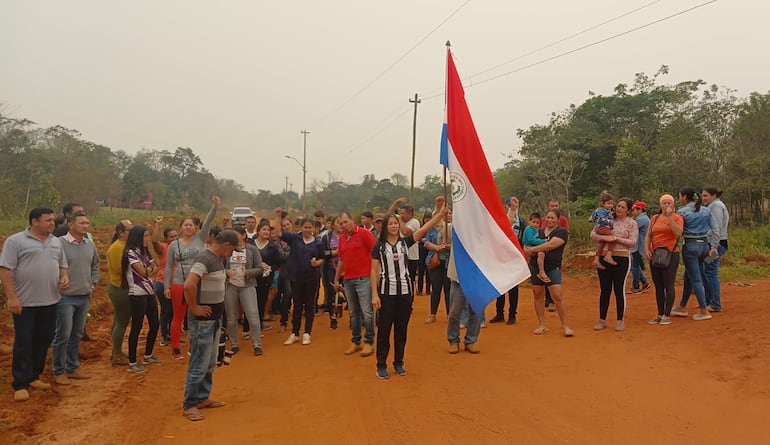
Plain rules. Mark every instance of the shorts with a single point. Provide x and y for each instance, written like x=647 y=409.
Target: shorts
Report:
x=274 y=284
x=553 y=274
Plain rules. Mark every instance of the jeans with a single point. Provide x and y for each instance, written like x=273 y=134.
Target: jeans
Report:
x=439 y=282
x=33 y=331
x=142 y=306
x=711 y=276
x=358 y=292
x=637 y=264
x=71 y=313
x=247 y=297
x=166 y=311
x=204 y=342
x=457 y=304
x=179 y=313
x=693 y=254
x=122 y=309
x=465 y=316
x=394 y=314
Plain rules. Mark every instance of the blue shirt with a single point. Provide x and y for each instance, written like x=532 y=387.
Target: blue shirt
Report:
x=643 y=222
x=530 y=238
x=700 y=224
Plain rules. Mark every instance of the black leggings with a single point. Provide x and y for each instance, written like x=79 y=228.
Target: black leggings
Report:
x=664 y=277
x=613 y=278
x=394 y=313
x=141 y=306
x=304 y=294
x=439 y=282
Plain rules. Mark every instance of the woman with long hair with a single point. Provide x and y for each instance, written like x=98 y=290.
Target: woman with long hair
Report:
x=392 y=288
x=118 y=296
x=423 y=274
x=701 y=239
x=271 y=261
x=613 y=275
x=664 y=232
x=710 y=196
x=137 y=268
x=161 y=249
x=243 y=267
x=438 y=241
x=181 y=254
x=331 y=245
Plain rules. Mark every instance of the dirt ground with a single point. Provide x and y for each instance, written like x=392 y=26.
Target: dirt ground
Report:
x=690 y=382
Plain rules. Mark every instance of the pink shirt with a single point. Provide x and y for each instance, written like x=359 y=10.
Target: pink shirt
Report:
x=625 y=230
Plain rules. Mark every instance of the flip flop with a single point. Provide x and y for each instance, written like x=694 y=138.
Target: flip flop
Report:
x=192 y=414
x=544 y=278
x=208 y=403
x=540 y=330
x=568 y=332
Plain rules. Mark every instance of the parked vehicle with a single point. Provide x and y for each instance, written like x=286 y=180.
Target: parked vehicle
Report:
x=239 y=215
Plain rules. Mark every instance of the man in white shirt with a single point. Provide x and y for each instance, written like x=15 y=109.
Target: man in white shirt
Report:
x=409 y=225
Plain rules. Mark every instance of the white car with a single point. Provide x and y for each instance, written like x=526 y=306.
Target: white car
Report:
x=239 y=214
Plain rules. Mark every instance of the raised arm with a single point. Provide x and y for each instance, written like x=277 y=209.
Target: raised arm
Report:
x=157 y=234
x=393 y=207
x=437 y=217
x=203 y=235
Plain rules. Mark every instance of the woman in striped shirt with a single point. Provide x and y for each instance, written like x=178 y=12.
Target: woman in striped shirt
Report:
x=392 y=290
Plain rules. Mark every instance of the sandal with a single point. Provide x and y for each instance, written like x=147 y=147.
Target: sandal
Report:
x=192 y=414
x=540 y=330
x=568 y=332
x=544 y=278
x=208 y=403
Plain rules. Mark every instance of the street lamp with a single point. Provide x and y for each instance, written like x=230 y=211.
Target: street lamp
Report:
x=304 y=176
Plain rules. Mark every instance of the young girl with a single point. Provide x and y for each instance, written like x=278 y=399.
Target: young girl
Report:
x=530 y=239
x=137 y=267
x=392 y=289
x=603 y=219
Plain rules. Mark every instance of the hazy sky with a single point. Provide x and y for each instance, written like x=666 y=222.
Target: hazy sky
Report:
x=238 y=80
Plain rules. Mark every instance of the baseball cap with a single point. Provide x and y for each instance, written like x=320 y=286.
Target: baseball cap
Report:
x=229 y=237
x=639 y=205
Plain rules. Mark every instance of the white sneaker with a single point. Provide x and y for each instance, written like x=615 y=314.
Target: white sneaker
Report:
x=305 y=338
x=291 y=340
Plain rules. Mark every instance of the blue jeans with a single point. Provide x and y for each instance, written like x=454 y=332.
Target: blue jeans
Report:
x=457 y=304
x=711 y=276
x=71 y=313
x=204 y=345
x=358 y=292
x=33 y=331
x=466 y=315
x=638 y=277
x=166 y=311
x=693 y=254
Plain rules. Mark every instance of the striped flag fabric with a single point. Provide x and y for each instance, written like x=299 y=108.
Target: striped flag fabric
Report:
x=487 y=254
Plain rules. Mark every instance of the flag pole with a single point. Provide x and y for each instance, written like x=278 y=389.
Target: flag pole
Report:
x=446 y=86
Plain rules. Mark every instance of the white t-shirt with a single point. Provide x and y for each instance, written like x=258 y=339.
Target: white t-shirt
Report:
x=414 y=252
x=238 y=265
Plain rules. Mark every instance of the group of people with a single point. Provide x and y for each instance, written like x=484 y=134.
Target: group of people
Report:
x=209 y=279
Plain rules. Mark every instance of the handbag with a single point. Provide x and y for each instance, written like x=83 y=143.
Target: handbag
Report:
x=661 y=256
x=434 y=261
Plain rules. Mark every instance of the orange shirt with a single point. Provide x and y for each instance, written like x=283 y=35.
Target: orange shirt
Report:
x=661 y=234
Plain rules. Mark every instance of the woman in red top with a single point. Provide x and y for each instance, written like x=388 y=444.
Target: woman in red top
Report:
x=161 y=249
x=665 y=230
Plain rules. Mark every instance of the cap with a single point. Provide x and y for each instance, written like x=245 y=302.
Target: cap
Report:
x=667 y=198
x=378 y=217
x=639 y=205
x=230 y=237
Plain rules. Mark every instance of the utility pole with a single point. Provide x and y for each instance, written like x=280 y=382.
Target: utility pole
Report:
x=415 y=101
x=304 y=170
x=286 y=194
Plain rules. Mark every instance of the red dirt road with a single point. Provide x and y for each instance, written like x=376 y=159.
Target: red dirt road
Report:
x=691 y=382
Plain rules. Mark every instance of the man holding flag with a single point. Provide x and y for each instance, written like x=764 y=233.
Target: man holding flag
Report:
x=486 y=258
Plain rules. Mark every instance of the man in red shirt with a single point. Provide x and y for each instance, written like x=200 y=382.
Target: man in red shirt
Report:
x=355 y=254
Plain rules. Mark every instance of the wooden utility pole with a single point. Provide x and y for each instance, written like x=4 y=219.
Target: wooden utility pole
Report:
x=304 y=170
x=415 y=101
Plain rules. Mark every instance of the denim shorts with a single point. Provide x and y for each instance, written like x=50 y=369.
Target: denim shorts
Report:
x=274 y=284
x=554 y=275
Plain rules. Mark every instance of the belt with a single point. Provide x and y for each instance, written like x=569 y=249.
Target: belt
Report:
x=699 y=240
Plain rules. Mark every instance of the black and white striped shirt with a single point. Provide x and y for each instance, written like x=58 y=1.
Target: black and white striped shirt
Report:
x=394 y=273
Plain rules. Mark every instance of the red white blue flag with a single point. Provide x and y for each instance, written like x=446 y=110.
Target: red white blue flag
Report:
x=487 y=255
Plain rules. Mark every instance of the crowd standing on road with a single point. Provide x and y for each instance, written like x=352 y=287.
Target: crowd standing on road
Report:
x=208 y=281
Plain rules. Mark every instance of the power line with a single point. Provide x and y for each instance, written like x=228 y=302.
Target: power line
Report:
x=385 y=127
x=583 y=47
x=385 y=71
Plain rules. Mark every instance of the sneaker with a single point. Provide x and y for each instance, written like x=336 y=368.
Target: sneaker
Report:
x=38 y=384
x=679 y=312
x=620 y=325
x=136 y=368
x=601 y=324
x=711 y=309
x=226 y=360
x=430 y=319
x=497 y=319
x=266 y=327
x=483 y=324
x=472 y=348
x=21 y=395
x=400 y=370
x=257 y=351
x=700 y=316
x=176 y=354
x=75 y=375
x=291 y=340
x=151 y=360
x=645 y=286
x=333 y=324
x=352 y=349
x=382 y=373
x=635 y=290
x=551 y=307
x=61 y=379
x=119 y=360
x=235 y=349
x=655 y=320
x=664 y=321
x=246 y=335
x=511 y=320
x=305 y=338
x=367 y=350
x=454 y=348
x=164 y=342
